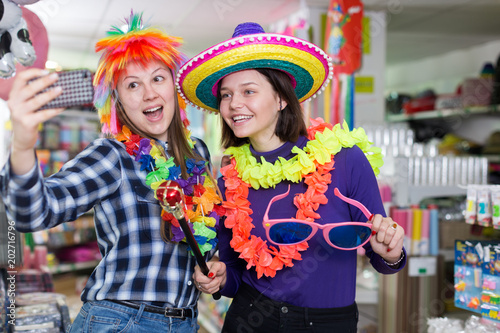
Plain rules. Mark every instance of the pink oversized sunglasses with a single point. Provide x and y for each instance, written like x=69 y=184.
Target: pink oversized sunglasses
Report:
x=340 y=235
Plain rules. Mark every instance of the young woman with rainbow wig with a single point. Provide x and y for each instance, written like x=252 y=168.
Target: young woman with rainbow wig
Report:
x=144 y=280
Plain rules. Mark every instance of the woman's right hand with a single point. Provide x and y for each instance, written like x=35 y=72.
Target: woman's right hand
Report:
x=216 y=279
x=23 y=104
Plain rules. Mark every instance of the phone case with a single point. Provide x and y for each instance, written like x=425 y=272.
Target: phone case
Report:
x=77 y=89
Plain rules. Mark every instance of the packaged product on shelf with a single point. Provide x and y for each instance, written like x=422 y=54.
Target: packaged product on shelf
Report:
x=88 y=133
x=54 y=299
x=44 y=161
x=36 y=315
x=484 y=207
x=453 y=325
x=51 y=135
x=444 y=325
x=468 y=275
x=433 y=230
x=471 y=210
x=495 y=206
x=477 y=91
x=36 y=259
x=477 y=278
x=69 y=136
x=57 y=159
x=490 y=296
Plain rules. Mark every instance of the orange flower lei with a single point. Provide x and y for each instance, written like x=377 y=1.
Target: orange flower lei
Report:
x=255 y=251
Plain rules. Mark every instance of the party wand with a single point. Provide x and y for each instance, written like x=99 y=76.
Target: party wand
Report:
x=171 y=198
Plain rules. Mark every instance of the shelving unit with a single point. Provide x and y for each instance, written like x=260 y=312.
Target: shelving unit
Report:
x=412 y=194
x=72 y=267
x=90 y=115
x=444 y=113
x=427 y=291
x=80 y=232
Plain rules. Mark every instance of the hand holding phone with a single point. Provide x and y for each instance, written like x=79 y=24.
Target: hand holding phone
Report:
x=77 y=89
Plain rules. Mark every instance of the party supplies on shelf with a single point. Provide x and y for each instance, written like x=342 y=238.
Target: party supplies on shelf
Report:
x=44 y=298
x=425 y=233
x=468 y=275
x=409 y=231
x=433 y=230
x=490 y=296
x=495 y=207
x=483 y=207
x=37 y=315
x=471 y=210
x=417 y=229
x=43 y=156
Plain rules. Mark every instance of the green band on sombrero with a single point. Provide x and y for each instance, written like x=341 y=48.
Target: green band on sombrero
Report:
x=308 y=66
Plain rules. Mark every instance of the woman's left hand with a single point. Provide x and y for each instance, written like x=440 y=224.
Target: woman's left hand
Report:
x=388 y=240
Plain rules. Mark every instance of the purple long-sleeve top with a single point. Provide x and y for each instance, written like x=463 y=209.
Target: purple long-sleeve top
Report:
x=325 y=277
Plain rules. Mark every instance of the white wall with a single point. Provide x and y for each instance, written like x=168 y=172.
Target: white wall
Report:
x=369 y=108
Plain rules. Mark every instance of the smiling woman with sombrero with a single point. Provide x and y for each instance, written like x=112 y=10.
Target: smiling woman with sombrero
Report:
x=299 y=200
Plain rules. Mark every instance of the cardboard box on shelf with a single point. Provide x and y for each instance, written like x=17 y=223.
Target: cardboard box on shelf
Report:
x=449 y=231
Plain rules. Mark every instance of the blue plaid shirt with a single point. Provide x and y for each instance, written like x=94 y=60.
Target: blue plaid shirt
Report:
x=136 y=263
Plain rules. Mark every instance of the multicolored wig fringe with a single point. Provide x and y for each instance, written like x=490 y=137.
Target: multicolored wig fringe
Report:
x=139 y=44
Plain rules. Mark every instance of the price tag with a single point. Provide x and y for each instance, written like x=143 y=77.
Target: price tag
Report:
x=422 y=266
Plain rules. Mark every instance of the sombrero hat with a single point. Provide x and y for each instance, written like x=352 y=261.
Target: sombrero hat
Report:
x=308 y=66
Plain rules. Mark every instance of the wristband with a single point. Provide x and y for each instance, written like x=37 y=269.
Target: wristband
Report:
x=397 y=262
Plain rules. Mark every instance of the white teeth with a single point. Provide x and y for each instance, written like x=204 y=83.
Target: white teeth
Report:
x=153 y=109
x=238 y=118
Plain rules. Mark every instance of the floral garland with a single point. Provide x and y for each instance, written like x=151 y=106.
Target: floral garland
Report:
x=201 y=199
x=313 y=163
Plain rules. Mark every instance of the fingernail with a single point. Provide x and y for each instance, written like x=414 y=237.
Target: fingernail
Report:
x=371 y=217
x=388 y=250
x=211 y=275
x=54 y=76
x=373 y=232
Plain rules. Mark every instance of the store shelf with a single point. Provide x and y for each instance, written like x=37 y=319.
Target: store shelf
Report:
x=71 y=267
x=412 y=194
x=445 y=113
x=91 y=115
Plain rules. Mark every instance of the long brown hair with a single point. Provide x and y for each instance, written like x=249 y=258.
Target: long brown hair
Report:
x=290 y=124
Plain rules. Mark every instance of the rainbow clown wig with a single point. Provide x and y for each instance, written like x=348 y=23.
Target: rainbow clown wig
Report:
x=139 y=44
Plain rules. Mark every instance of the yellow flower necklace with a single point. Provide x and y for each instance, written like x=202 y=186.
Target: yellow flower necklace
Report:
x=313 y=163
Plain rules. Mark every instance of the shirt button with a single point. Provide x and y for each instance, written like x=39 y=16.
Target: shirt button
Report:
x=190 y=283
x=284 y=309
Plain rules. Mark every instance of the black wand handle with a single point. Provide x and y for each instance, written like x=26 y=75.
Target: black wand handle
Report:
x=196 y=250
x=171 y=198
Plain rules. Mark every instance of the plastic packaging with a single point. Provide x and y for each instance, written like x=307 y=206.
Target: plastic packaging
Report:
x=483 y=207
x=471 y=209
x=433 y=230
x=495 y=207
